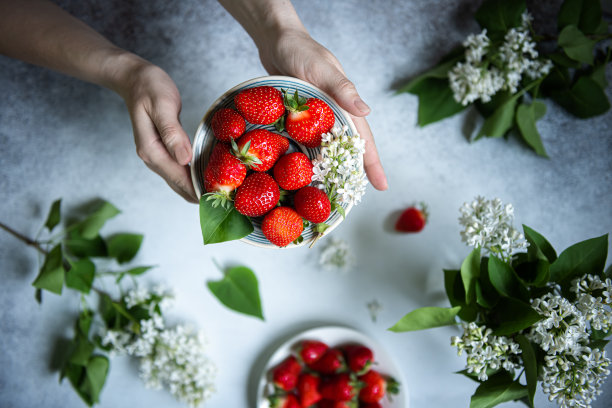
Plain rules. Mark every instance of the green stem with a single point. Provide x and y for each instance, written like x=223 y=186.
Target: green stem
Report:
x=24 y=239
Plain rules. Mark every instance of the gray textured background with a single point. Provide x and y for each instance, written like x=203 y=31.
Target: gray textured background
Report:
x=60 y=137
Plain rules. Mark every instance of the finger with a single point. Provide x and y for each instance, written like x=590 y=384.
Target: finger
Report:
x=371 y=160
x=339 y=87
x=153 y=152
x=165 y=116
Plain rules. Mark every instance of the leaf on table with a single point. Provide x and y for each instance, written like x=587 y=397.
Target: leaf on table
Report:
x=500 y=121
x=90 y=226
x=497 y=389
x=586 y=257
x=124 y=247
x=51 y=275
x=576 y=45
x=81 y=274
x=498 y=16
x=85 y=248
x=426 y=318
x=530 y=365
x=585 y=14
x=539 y=247
x=239 y=291
x=504 y=279
x=511 y=316
x=526 y=117
x=584 y=99
x=470 y=271
x=436 y=101
x=96 y=372
x=221 y=224
x=54 y=216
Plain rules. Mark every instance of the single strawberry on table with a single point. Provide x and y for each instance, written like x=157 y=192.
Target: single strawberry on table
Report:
x=257 y=195
x=412 y=219
x=293 y=171
x=259 y=149
x=376 y=386
x=284 y=401
x=223 y=173
x=339 y=387
x=308 y=389
x=227 y=124
x=310 y=351
x=282 y=225
x=285 y=375
x=312 y=204
x=307 y=119
x=262 y=105
x=331 y=362
x=359 y=358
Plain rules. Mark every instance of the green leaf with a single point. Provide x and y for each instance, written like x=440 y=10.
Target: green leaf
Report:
x=90 y=226
x=139 y=270
x=576 y=45
x=81 y=274
x=54 y=215
x=561 y=58
x=239 y=291
x=86 y=248
x=511 y=316
x=534 y=273
x=473 y=376
x=96 y=372
x=598 y=75
x=498 y=16
x=436 y=101
x=124 y=247
x=539 y=247
x=456 y=295
x=222 y=224
x=526 y=123
x=531 y=366
x=504 y=279
x=76 y=375
x=440 y=71
x=426 y=318
x=584 y=99
x=51 y=275
x=470 y=271
x=586 y=14
x=497 y=389
x=588 y=256
x=82 y=351
x=500 y=121
x=84 y=322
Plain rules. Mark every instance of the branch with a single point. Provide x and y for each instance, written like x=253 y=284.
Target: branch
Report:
x=24 y=239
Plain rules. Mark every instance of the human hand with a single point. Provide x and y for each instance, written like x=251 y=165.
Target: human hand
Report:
x=296 y=54
x=154 y=105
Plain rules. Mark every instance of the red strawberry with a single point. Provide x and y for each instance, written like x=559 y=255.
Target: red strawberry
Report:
x=308 y=389
x=282 y=225
x=330 y=362
x=307 y=119
x=227 y=124
x=312 y=204
x=339 y=387
x=311 y=350
x=284 y=401
x=285 y=375
x=262 y=105
x=413 y=219
x=359 y=358
x=337 y=404
x=223 y=173
x=257 y=195
x=375 y=386
x=259 y=149
x=293 y=171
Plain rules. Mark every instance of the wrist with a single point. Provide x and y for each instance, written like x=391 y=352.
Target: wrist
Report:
x=119 y=70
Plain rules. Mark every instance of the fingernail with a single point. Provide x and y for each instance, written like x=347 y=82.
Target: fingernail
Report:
x=361 y=105
x=182 y=155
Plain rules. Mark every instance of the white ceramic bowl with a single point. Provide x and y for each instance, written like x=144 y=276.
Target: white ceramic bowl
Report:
x=204 y=141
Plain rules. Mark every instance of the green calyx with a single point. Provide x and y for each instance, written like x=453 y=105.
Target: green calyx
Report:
x=294 y=103
x=219 y=198
x=248 y=159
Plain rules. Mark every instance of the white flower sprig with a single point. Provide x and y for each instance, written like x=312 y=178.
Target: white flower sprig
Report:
x=488 y=225
x=338 y=169
x=336 y=256
x=488 y=69
x=174 y=357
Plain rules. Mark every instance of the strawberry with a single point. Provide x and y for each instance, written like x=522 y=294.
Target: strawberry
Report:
x=307 y=119
x=284 y=401
x=282 y=225
x=412 y=219
x=359 y=358
x=339 y=387
x=223 y=173
x=285 y=375
x=308 y=389
x=257 y=195
x=331 y=362
x=311 y=350
x=375 y=386
x=293 y=171
x=312 y=204
x=262 y=105
x=259 y=149
x=337 y=404
x=227 y=124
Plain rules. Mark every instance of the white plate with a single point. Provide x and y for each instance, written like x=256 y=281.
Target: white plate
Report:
x=334 y=336
x=204 y=141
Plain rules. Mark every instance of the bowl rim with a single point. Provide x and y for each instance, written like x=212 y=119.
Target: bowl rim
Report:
x=212 y=108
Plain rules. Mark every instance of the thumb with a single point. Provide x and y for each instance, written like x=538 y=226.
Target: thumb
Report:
x=173 y=136
x=339 y=87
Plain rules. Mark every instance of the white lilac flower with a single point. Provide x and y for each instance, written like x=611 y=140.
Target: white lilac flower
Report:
x=336 y=256
x=338 y=169
x=484 y=351
x=488 y=225
x=593 y=300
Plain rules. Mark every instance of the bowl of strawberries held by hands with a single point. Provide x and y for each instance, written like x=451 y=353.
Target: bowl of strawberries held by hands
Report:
x=276 y=163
